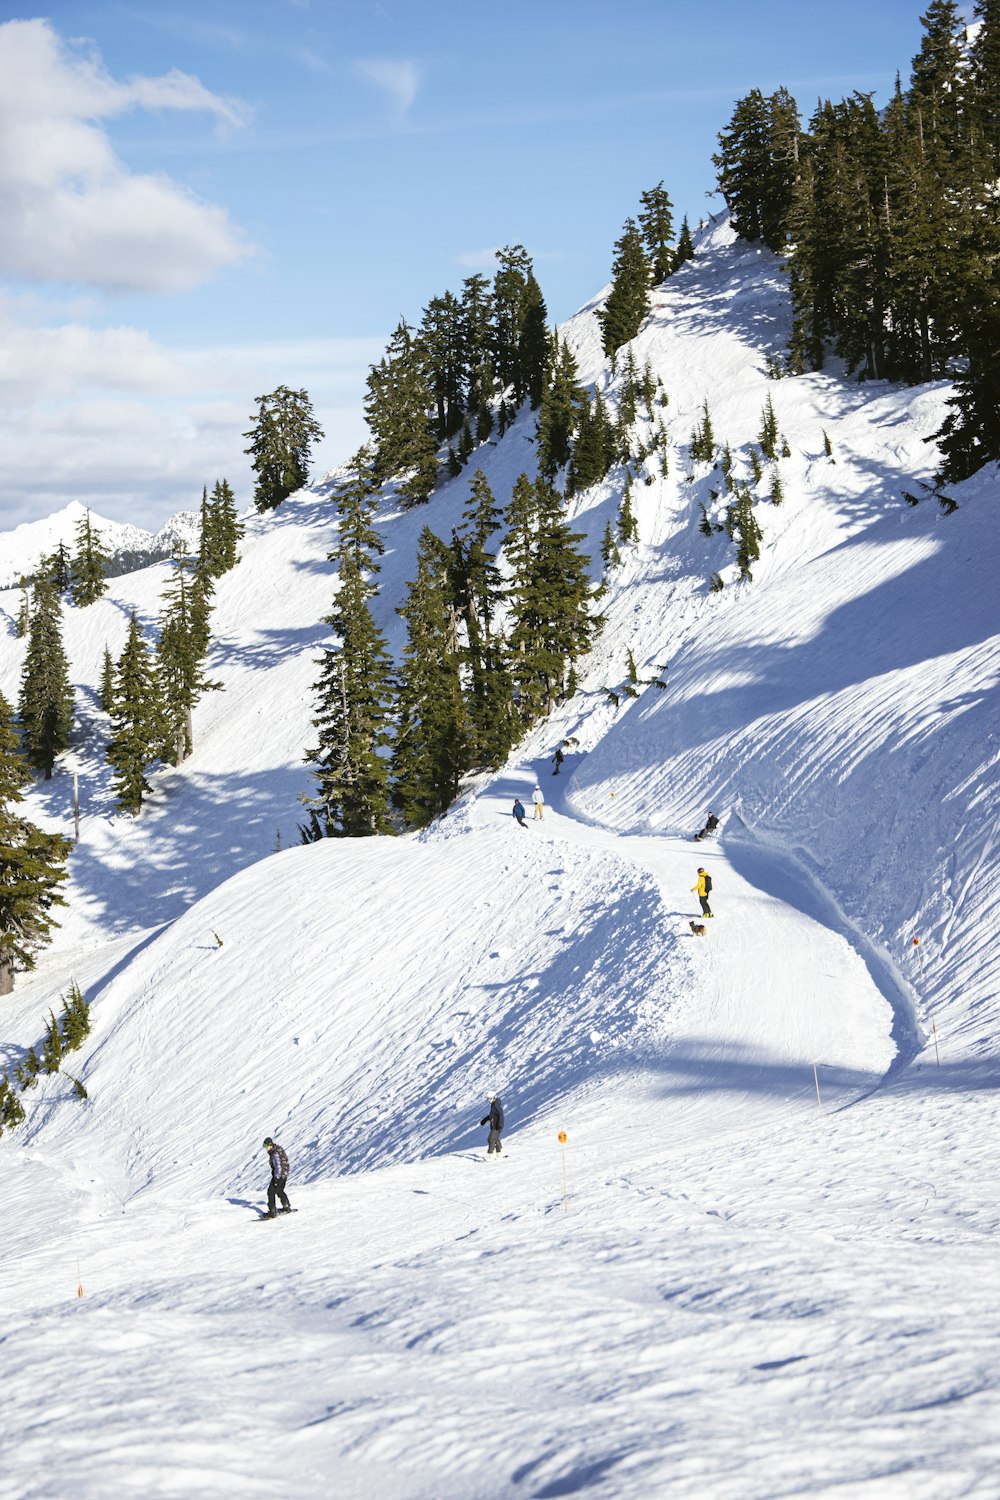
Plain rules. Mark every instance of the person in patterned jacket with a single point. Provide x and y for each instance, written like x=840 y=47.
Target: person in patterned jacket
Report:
x=278 y=1158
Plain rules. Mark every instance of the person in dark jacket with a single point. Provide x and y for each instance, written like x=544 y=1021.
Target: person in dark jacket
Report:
x=711 y=824
x=558 y=758
x=279 y=1176
x=495 y=1121
x=518 y=811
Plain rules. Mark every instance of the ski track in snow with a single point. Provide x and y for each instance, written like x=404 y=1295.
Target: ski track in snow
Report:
x=744 y=1292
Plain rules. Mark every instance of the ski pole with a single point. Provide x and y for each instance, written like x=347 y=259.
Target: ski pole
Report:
x=562 y=1146
x=819 y=1102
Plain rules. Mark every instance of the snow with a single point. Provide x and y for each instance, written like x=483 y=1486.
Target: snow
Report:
x=24 y=547
x=764 y=1264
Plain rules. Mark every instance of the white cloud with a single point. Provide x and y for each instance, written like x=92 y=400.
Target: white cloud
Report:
x=70 y=210
x=477 y=260
x=399 y=79
x=111 y=418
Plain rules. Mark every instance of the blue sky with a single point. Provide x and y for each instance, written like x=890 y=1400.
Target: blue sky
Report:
x=200 y=202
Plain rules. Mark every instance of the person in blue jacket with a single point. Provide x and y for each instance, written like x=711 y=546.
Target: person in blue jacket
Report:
x=495 y=1121
x=518 y=811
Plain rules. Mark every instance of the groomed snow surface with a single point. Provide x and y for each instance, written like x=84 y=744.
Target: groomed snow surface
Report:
x=764 y=1263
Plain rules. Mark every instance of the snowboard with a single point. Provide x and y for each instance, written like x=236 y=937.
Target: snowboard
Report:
x=281 y=1214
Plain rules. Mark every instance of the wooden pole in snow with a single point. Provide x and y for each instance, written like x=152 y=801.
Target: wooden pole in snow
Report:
x=562 y=1144
x=76 y=802
x=819 y=1101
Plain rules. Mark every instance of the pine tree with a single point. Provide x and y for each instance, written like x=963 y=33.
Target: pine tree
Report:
x=703 y=438
x=758 y=164
x=685 y=246
x=549 y=599
x=557 y=417
x=982 y=91
x=32 y=865
x=24 y=610
x=180 y=655
x=431 y=748
x=627 y=303
x=657 y=225
x=476 y=348
x=89 y=564
x=106 y=691
x=742 y=526
x=610 y=554
x=138 y=723
x=397 y=408
x=354 y=688
x=440 y=345
x=56 y=569
x=534 y=345
x=281 y=442
x=45 y=707
x=478 y=591
x=221 y=531
x=510 y=294
x=777 y=488
x=768 y=438
x=628 y=527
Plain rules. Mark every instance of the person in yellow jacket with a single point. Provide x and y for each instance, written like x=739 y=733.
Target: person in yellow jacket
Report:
x=704 y=887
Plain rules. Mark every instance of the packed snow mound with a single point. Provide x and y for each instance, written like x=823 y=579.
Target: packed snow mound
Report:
x=356 y=997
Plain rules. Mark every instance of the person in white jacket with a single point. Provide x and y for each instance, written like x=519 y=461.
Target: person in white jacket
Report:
x=539 y=802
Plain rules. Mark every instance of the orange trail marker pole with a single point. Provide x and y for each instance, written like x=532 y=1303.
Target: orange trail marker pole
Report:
x=920 y=956
x=819 y=1101
x=79 y=1279
x=562 y=1146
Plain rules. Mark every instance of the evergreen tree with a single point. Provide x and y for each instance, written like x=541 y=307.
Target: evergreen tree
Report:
x=533 y=346
x=45 y=707
x=397 y=408
x=549 y=598
x=757 y=164
x=510 y=301
x=768 y=438
x=557 y=417
x=685 y=246
x=610 y=554
x=476 y=346
x=354 y=688
x=595 y=447
x=430 y=749
x=628 y=527
x=627 y=303
x=24 y=611
x=106 y=692
x=478 y=590
x=742 y=526
x=657 y=225
x=89 y=564
x=32 y=865
x=221 y=531
x=982 y=93
x=703 y=438
x=440 y=341
x=180 y=655
x=138 y=726
x=281 y=442
x=56 y=569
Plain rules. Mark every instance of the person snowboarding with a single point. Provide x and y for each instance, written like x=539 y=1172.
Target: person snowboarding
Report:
x=558 y=759
x=279 y=1176
x=495 y=1121
x=539 y=802
x=711 y=824
x=703 y=886
x=519 y=812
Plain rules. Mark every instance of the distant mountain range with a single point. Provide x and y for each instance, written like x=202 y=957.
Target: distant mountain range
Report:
x=130 y=546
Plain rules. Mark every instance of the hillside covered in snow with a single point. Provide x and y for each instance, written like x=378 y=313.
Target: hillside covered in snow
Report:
x=763 y=1261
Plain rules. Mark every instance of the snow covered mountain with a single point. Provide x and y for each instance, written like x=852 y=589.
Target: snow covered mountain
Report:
x=21 y=549
x=763 y=1262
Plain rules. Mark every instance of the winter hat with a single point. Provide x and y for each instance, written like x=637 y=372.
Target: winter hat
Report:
x=268 y=1141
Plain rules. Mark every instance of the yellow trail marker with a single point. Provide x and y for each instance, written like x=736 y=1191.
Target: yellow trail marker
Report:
x=561 y=1138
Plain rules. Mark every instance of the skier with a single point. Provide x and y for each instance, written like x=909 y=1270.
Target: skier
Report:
x=558 y=758
x=711 y=824
x=495 y=1121
x=704 y=886
x=279 y=1176
x=518 y=811
x=539 y=802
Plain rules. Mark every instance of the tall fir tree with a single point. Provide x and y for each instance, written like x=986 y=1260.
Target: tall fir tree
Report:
x=557 y=416
x=478 y=590
x=45 y=706
x=627 y=303
x=221 y=531
x=549 y=600
x=431 y=743
x=180 y=654
x=758 y=164
x=510 y=300
x=354 y=688
x=32 y=865
x=685 y=246
x=281 y=441
x=107 y=687
x=476 y=346
x=88 y=566
x=656 y=220
x=397 y=408
x=138 y=724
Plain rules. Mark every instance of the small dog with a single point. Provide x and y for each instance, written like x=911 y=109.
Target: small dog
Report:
x=698 y=928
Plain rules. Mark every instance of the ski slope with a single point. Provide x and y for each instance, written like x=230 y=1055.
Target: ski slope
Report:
x=764 y=1263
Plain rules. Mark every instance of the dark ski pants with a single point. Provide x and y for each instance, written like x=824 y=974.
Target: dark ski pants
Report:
x=522 y=822
x=706 y=910
x=276 y=1187
x=493 y=1144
